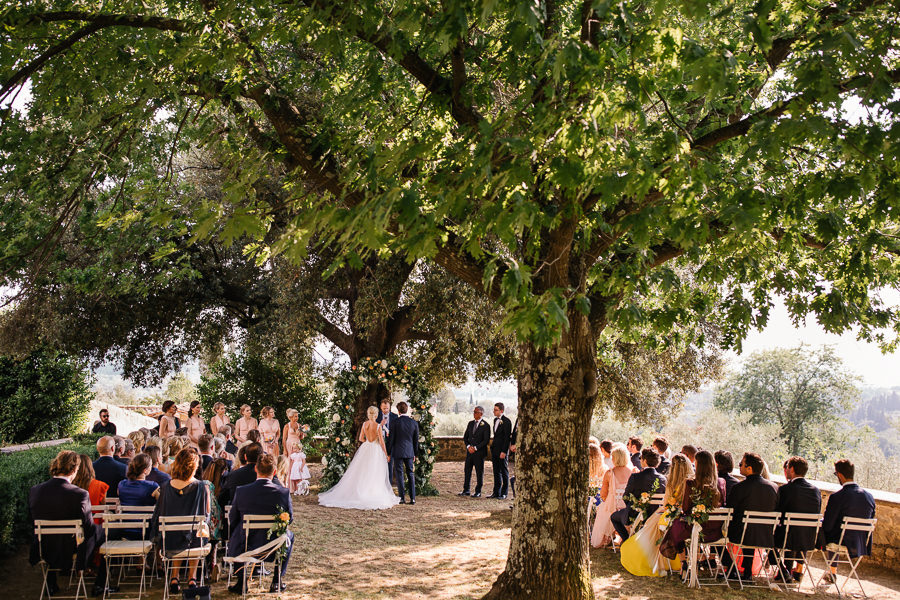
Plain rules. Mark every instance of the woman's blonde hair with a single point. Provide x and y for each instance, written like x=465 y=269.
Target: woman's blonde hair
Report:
x=244 y=407
x=217 y=406
x=266 y=411
x=595 y=462
x=371 y=412
x=174 y=445
x=680 y=471
x=153 y=441
x=292 y=412
x=281 y=468
x=619 y=455
x=137 y=438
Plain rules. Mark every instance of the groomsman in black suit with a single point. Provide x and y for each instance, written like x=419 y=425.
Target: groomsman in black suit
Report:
x=724 y=466
x=753 y=493
x=850 y=501
x=476 y=439
x=638 y=483
x=634 y=446
x=796 y=496
x=660 y=444
x=500 y=452
x=403 y=448
x=386 y=421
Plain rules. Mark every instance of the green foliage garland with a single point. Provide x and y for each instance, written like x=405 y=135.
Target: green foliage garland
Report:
x=348 y=386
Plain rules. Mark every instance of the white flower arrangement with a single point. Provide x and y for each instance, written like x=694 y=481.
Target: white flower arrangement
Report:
x=361 y=378
x=345 y=442
x=421 y=439
x=417 y=417
x=335 y=418
x=324 y=461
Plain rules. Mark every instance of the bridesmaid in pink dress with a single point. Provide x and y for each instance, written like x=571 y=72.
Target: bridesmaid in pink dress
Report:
x=614 y=480
x=219 y=419
x=245 y=424
x=269 y=430
x=292 y=431
x=196 y=425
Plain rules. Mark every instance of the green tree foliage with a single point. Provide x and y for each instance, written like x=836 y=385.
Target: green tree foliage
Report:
x=595 y=169
x=804 y=391
x=239 y=379
x=45 y=395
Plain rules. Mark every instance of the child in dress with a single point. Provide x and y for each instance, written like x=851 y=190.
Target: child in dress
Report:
x=299 y=471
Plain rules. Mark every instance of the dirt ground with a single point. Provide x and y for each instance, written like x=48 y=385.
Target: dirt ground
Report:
x=446 y=547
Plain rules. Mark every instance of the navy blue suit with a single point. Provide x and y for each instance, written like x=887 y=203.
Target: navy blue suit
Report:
x=403 y=447
x=850 y=501
x=638 y=483
x=110 y=471
x=392 y=420
x=262 y=497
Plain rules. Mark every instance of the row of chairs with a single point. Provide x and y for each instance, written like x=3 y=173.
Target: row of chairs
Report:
x=116 y=520
x=834 y=555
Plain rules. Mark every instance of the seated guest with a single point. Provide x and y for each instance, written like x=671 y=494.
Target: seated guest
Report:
x=614 y=482
x=796 y=496
x=262 y=497
x=725 y=466
x=849 y=501
x=212 y=478
x=638 y=483
x=606 y=451
x=137 y=439
x=119 y=448
x=227 y=431
x=106 y=468
x=104 y=425
x=595 y=466
x=704 y=485
x=219 y=451
x=136 y=490
x=86 y=480
x=58 y=499
x=183 y=496
x=174 y=445
x=156 y=474
x=690 y=452
x=753 y=493
x=634 y=446
x=242 y=476
x=205 y=445
x=661 y=445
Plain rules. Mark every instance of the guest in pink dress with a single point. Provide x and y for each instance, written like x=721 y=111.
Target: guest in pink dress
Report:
x=269 y=430
x=614 y=482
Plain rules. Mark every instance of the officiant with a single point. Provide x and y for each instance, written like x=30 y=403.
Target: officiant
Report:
x=386 y=421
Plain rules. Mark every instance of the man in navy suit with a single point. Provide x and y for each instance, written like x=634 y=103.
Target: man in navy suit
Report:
x=500 y=452
x=661 y=444
x=796 y=496
x=638 y=483
x=386 y=421
x=724 y=467
x=403 y=448
x=756 y=494
x=242 y=476
x=106 y=468
x=205 y=444
x=262 y=497
x=634 y=446
x=850 y=501
x=58 y=499
x=476 y=438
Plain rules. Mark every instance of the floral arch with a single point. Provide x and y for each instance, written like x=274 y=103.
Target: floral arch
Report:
x=348 y=386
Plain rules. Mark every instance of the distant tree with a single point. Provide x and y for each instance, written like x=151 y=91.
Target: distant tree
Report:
x=446 y=401
x=804 y=391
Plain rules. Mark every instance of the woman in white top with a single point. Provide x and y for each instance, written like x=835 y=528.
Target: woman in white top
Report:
x=245 y=424
x=219 y=419
x=196 y=426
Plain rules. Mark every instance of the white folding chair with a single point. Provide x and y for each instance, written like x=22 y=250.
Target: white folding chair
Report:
x=137 y=509
x=794 y=522
x=122 y=550
x=840 y=554
x=257 y=556
x=712 y=551
x=64 y=527
x=656 y=501
x=759 y=519
x=178 y=526
x=619 y=500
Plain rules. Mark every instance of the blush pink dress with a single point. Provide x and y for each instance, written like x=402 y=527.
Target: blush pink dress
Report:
x=269 y=430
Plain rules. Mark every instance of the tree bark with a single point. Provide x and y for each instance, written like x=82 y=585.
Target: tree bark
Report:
x=548 y=552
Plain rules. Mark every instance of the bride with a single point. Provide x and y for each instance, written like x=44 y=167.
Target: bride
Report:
x=365 y=485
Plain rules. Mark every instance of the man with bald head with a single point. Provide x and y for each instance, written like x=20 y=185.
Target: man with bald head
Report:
x=106 y=468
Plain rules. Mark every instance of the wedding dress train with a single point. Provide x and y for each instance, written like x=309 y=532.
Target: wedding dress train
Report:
x=365 y=484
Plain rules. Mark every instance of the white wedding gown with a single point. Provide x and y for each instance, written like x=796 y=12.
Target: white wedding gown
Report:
x=365 y=484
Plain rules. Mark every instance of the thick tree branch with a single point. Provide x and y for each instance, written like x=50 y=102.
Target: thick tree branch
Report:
x=336 y=336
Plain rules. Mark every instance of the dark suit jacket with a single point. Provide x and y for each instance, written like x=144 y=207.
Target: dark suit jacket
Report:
x=230 y=448
x=262 y=497
x=798 y=496
x=850 y=501
x=58 y=499
x=636 y=459
x=158 y=476
x=205 y=459
x=479 y=438
x=502 y=437
x=753 y=493
x=232 y=481
x=392 y=420
x=663 y=466
x=730 y=481
x=641 y=482
x=515 y=432
x=123 y=460
x=403 y=442
x=110 y=471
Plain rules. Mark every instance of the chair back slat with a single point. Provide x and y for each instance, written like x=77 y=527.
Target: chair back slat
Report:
x=137 y=509
x=58 y=527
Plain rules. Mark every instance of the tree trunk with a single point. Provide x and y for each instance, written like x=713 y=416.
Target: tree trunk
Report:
x=548 y=552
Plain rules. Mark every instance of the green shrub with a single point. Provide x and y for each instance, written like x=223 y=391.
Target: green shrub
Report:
x=241 y=379
x=45 y=396
x=19 y=471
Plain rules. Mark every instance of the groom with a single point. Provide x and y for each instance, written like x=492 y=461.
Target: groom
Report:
x=403 y=447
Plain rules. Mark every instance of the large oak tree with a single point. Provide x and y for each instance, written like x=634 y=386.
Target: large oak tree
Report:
x=606 y=172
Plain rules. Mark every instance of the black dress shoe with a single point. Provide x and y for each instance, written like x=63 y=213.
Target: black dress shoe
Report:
x=237 y=588
x=492 y=496
x=52 y=588
x=412 y=501
x=97 y=590
x=402 y=501
x=277 y=587
x=502 y=496
x=464 y=493
x=476 y=495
